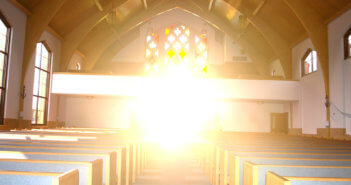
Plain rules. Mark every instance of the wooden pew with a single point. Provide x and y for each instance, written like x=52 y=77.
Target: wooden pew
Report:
x=275 y=179
x=109 y=164
x=34 y=178
x=237 y=172
x=123 y=170
x=221 y=159
x=255 y=174
x=90 y=173
x=130 y=152
x=229 y=165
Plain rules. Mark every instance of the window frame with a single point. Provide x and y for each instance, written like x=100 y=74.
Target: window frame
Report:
x=303 y=59
x=5 y=67
x=347 y=54
x=47 y=93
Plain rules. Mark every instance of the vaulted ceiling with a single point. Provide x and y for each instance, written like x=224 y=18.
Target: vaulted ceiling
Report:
x=266 y=29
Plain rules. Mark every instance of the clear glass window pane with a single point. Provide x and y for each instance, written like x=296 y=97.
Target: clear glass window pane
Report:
x=34 y=109
x=40 y=118
x=2 y=42
x=315 y=60
x=38 y=54
x=44 y=63
x=43 y=80
x=2 y=60
x=36 y=81
x=41 y=110
x=3 y=35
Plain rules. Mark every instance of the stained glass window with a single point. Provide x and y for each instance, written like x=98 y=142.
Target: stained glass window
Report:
x=177 y=44
x=4 y=48
x=41 y=84
x=310 y=62
x=152 y=52
x=201 y=51
x=178 y=48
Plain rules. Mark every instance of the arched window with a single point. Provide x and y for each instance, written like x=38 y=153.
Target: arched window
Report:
x=4 y=55
x=347 y=44
x=309 y=62
x=41 y=83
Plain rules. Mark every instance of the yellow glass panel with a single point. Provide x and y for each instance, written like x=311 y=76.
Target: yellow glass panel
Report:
x=182 y=53
x=187 y=32
x=205 y=69
x=167 y=31
x=171 y=53
x=148 y=52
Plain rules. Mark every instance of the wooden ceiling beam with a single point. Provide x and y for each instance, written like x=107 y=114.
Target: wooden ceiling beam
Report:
x=29 y=13
x=211 y=4
x=145 y=4
x=52 y=31
x=20 y=6
x=98 y=5
x=258 y=8
x=318 y=32
x=74 y=38
x=338 y=13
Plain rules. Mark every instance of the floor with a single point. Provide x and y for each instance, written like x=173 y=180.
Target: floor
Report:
x=173 y=167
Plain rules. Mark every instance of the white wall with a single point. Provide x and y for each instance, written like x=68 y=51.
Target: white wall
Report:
x=249 y=116
x=104 y=112
x=114 y=112
x=17 y=19
x=339 y=72
x=311 y=110
x=55 y=46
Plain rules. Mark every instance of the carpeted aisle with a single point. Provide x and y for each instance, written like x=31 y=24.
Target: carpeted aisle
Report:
x=173 y=168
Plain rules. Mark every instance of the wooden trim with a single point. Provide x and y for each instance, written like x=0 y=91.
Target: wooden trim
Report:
x=274 y=179
x=258 y=8
x=52 y=31
x=5 y=67
x=347 y=53
x=21 y=7
x=338 y=13
x=6 y=172
x=339 y=179
x=68 y=178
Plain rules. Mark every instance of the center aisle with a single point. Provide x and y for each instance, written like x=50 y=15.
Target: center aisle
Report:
x=173 y=168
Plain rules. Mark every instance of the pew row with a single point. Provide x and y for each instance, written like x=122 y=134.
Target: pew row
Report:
x=221 y=160
x=70 y=177
x=90 y=173
x=109 y=167
x=255 y=174
x=275 y=179
x=236 y=174
x=122 y=171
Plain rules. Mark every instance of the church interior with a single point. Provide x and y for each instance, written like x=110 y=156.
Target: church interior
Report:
x=175 y=92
